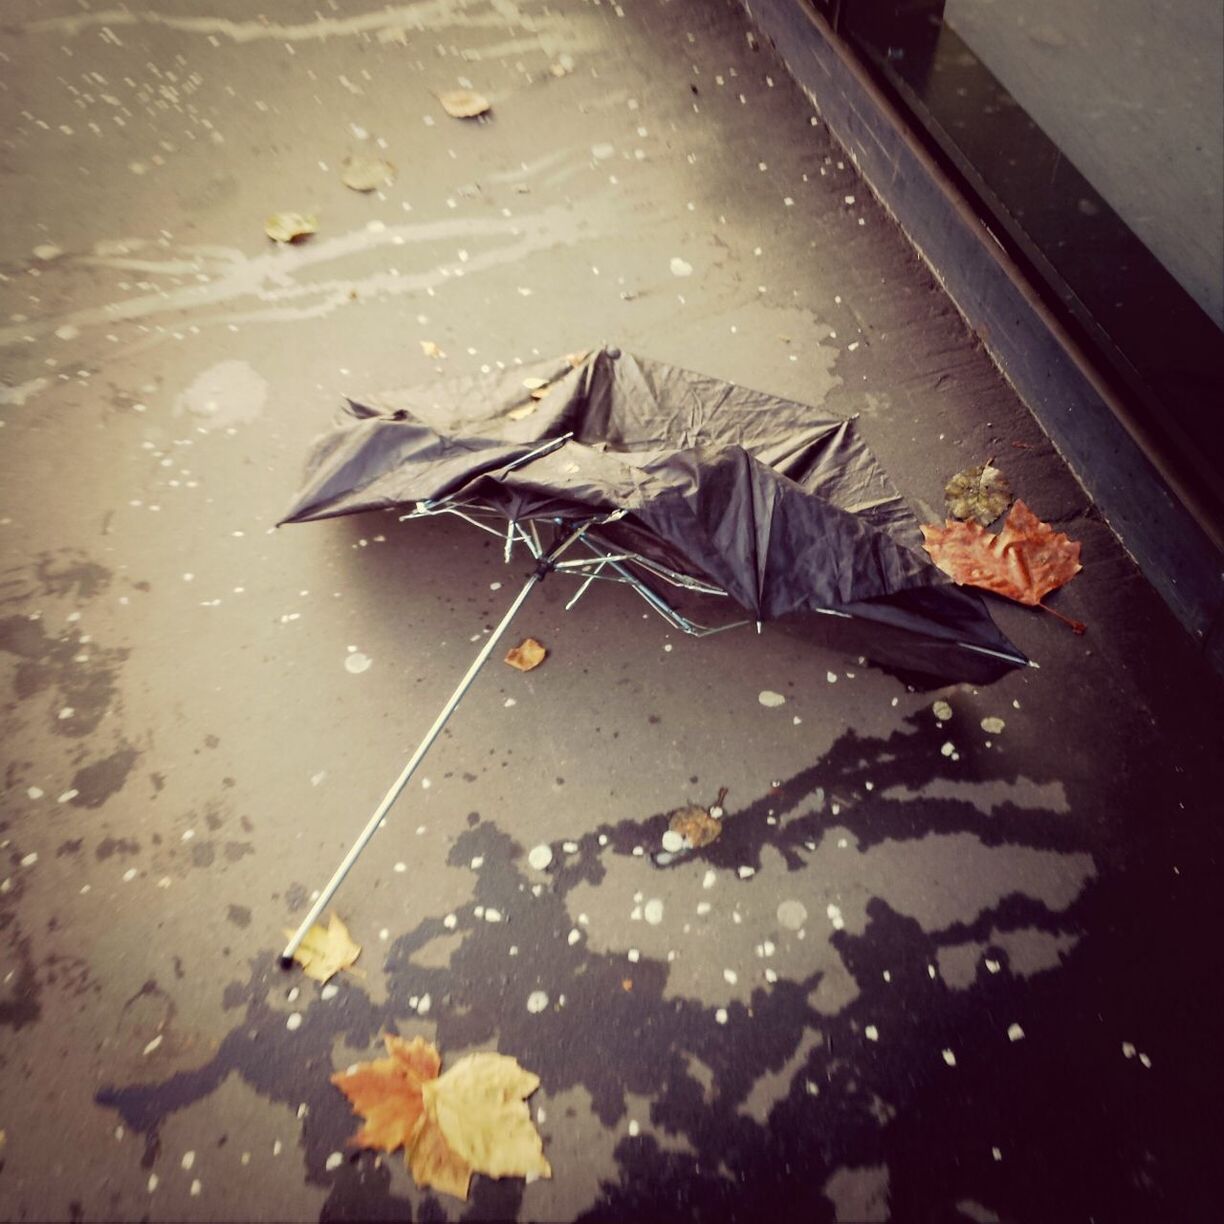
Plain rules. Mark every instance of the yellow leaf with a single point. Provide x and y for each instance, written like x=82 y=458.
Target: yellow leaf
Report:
x=286 y=226
x=464 y=103
x=524 y=410
x=325 y=951
x=386 y=1092
x=526 y=655
x=481 y=1109
x=365 y=173
x=430 y=349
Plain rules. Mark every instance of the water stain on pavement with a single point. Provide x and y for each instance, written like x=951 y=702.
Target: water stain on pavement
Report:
x=783 y=1086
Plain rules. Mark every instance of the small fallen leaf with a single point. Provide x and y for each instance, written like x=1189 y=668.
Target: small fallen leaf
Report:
x=430 y=349
x=365 y=173
x=472 y=1119
x=325 y=951
x=386 y=1092
x=480 y=1105
x=1025 y=561
x=464 y=103
x=534 y=384
x=576 y=359
x=695 y=825
x=980 y=493
x=527 y=655
x=288 y=226
x=524 y=410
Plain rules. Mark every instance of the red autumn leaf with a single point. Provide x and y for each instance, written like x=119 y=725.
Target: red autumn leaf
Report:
x=1026 y=560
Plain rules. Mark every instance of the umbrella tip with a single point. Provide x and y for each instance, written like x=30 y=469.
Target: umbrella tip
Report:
x=286 y=962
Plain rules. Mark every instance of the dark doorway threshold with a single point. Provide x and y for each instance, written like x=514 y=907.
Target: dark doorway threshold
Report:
x=1151 y=497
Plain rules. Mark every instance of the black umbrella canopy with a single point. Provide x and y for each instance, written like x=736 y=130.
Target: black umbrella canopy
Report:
x=786 y=511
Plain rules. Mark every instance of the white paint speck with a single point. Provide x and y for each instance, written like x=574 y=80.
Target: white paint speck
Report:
x=196 y=1187
x=188 y=1160
x=30 y=859
x=745 y=872
x=996 y=1153
x=720 y=1015
x=294 y=1022
x=152 y=1183
x=730 y=977
x=653 y=911
x=537 y=1001
x=992 y=966
x=770 y=699
x=34 y=792
x=153 y=1044
x=450 y=922
x=949 y=1057
x=424 y=1004
x=681 y=267
x=540 y=857
x=574 y=936
x=1145 y=1060
x=401 y=868
x=66 y=712
x=672 y=841
x=948 y=749
x=356 y=663
x=835 y=916
x=1015 y=1033
x=477 y=862
x=634 y=1129
x=129 y=875
x=334 y=1161
x=792 y=914
x=871 y=1033
x=68 y=796
x=330 y=991
x=634 y=956
x=993 y=726
x=492 y=915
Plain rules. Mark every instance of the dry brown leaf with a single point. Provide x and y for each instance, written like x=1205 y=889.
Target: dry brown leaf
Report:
x=980 y=493
x=288 y=226
x=480 y=1105
x=430 y=349
x=324 y=951
x=1025 y=561
x=365 y=173
x=464 y=103
x=695 y=825
x=386 y=1092
x=473 y=1119
x=527 y=655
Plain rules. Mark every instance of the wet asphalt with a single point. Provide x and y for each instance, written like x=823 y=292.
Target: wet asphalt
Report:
x=931 y=970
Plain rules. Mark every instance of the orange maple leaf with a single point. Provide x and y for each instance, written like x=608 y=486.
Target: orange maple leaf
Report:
x=473 y=1119
x=1026 y=561
x=386 y=1092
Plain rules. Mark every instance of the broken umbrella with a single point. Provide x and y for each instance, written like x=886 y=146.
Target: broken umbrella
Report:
x=607 y=466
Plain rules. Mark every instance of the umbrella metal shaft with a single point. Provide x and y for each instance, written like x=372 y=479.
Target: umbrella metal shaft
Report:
x=423 y=747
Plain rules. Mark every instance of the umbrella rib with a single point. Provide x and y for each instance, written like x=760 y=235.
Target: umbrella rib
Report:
x=542 y=569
